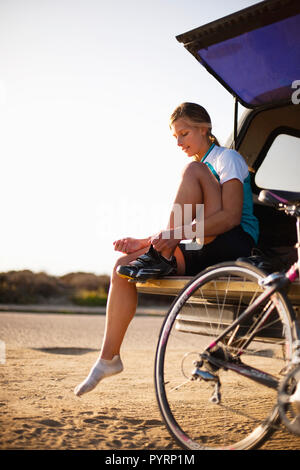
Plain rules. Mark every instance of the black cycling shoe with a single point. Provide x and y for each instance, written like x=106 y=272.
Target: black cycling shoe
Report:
x=148 y=266
x=129 y=271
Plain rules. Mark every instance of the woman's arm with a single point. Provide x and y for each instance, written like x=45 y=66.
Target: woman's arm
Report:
x=221 y=221
x=231 y=213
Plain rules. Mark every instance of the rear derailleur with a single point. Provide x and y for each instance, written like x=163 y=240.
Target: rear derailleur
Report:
x=208 y=366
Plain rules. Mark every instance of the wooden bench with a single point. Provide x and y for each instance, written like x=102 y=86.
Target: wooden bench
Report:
x=205 y=312
x=173 y=285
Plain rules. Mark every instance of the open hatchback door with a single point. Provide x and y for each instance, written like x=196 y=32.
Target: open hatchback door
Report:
x=254 y=53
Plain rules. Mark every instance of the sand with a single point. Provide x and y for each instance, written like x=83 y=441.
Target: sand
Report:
x=47 y=355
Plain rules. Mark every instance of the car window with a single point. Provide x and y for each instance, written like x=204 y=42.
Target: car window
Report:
x=280 y=168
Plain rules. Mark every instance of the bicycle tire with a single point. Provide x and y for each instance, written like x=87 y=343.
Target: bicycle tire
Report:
x=195 y=422
x=289 y=408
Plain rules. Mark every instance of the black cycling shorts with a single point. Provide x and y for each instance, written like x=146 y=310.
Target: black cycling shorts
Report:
x=225 y=247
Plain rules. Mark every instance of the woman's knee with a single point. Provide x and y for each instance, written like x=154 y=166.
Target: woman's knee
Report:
x=121 y=261
x=194 y=169
x=199 y=173
x=125 y=259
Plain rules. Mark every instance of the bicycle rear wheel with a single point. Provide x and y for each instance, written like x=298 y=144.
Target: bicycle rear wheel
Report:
x=247 y=411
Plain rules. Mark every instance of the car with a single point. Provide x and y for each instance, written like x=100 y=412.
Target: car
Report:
x=255 y=54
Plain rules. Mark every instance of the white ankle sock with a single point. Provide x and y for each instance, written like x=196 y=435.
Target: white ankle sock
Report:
x=168 y=259
x=101 y=369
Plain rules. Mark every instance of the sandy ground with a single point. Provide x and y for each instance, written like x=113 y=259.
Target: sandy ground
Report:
x=47 y=355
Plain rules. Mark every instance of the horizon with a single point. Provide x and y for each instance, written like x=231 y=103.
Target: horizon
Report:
x=86 y=92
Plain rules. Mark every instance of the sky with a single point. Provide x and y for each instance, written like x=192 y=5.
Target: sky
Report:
x=86 y=154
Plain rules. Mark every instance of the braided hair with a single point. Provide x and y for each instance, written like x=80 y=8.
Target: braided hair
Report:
x=196 y=113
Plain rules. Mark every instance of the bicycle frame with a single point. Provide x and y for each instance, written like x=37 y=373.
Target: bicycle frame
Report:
x=281 y=281
x=273 y=283
x=205 y=307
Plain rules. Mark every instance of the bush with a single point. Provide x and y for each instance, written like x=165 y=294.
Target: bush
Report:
x=86 y=281
x=84 y=289
x=90 y=298
x=25 y=287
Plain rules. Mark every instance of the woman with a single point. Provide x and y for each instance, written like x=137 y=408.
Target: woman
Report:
x=218 y=178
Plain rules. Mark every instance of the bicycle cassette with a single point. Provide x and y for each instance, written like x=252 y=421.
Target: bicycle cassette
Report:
x=289 y=401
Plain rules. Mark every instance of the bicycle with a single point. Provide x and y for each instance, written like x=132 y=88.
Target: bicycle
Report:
x=231 y=334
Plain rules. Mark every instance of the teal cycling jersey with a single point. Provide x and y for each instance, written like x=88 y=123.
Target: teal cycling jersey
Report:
x=227 y=164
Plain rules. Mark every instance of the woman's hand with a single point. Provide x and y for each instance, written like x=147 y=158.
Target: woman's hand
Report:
x=165 y=241
x=130 y=245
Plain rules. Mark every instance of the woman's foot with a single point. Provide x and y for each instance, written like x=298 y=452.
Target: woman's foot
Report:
x=101 y=369
x=149 y=265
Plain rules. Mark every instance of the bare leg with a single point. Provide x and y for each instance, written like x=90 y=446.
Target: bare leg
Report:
x=197 y=186
x=121 y=307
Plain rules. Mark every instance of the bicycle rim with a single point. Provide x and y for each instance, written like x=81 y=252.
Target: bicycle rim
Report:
x=246 y=414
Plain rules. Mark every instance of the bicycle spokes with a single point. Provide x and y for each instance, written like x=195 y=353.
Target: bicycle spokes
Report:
x=223 y=346
x=289 y=401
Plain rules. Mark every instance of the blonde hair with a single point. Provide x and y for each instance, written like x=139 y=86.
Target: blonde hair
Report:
x=196 y=113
